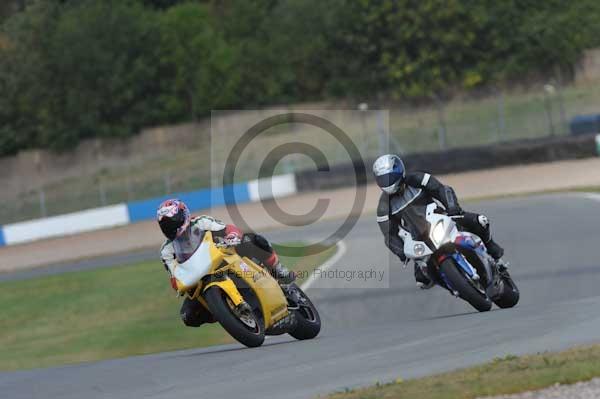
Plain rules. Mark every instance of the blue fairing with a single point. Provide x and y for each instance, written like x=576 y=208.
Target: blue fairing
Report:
x=467 y=242
x=461 y=261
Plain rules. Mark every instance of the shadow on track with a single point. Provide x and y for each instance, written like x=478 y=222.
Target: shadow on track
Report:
x=235 y=347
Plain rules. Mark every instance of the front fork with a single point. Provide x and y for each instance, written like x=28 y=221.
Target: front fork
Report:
x=494 y=286
x=459 y=260
x=462 y=262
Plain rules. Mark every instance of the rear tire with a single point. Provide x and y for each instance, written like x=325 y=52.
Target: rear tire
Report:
x=308 y=321
x=510 y=295
x=465 y=290
x=218 y=304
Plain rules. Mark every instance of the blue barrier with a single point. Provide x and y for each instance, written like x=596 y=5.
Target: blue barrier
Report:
x=195 y=200
x=2 y=239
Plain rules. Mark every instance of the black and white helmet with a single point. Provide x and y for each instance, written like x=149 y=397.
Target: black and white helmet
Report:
x=389 y=173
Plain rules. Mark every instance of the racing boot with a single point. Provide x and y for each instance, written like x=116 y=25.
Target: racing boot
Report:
x=423 y=281
x=495 y=250
x=283 y=275
x=278 y=271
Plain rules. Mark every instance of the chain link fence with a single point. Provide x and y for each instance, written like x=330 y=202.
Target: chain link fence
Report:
x=175 y=159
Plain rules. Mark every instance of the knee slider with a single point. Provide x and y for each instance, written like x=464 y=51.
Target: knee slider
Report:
x=483 y=221
x=190 y=320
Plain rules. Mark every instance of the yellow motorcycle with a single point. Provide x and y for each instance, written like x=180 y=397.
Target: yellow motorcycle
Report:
x=242 y=296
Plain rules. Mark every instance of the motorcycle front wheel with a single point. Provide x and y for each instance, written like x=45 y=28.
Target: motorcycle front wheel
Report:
x=460 y=283
x=241 y=323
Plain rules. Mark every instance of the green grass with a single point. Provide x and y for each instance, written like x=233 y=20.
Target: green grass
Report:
x=589 y=189
x=508 y=375
x=303 y=264
x=99 y=314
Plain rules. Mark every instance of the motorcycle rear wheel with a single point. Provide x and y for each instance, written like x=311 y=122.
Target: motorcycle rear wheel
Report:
x=246 y=328
x=465 y=289
x=510 y=294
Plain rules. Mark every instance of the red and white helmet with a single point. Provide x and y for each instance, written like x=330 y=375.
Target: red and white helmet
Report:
x=173 y=217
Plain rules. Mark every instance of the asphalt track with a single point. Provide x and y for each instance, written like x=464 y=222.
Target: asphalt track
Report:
x=379 y=334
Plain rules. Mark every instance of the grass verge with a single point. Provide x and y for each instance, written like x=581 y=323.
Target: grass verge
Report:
x=507 y=375
x=103 y=313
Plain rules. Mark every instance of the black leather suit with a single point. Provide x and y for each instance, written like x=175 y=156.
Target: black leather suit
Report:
x=421 y=189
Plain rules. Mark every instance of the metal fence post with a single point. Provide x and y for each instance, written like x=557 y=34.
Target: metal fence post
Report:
x=130 y=192
x=548 y=92
x=501 y=117
x=442 y=131
x=564 y=127
x=102 y=192
x=363 y=108
x=561 y=109
x=167 y=178
x=43 y=210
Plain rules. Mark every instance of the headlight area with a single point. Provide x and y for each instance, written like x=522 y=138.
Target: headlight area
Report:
x=438 y=233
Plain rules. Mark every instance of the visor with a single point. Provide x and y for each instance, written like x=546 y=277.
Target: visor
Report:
x=389 y=179
x=187 y=243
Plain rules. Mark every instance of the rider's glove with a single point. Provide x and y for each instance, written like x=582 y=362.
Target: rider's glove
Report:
x=232 y=240
x=455 y=211
x=233 y=235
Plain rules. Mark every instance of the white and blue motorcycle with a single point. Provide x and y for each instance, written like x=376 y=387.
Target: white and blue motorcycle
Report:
x=456 y=260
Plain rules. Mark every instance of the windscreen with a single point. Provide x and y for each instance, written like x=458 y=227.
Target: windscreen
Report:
x=186 y=244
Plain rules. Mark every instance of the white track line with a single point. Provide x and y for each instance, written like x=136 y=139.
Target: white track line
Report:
x=592 y=196
x=341 y=251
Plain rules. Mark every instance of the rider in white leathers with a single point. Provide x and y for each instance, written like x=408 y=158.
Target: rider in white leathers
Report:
x=178 y=226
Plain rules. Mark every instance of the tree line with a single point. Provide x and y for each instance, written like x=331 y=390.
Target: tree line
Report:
x=75 y=69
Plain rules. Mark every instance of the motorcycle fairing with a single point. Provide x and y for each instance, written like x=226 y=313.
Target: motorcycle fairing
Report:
x=469 y=242
x=270 y=296
x=476 y=254
x=206 y=257
x=464 y=264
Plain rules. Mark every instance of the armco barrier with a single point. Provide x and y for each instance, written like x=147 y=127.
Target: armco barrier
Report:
x=275 y=187
x=464 y=159
x=122 y=214
x=72 y=223
x=201 y=199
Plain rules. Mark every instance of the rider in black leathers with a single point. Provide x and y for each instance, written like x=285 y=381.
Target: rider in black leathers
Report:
x=402 y=190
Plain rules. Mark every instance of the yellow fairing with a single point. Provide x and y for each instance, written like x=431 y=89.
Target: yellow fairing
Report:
x=272 y=301
x=229 y=288
x=224 y=262
x=204 y=261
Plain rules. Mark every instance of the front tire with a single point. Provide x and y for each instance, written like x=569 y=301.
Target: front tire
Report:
x=308 y=321
x=250 y=332
x=465 y=289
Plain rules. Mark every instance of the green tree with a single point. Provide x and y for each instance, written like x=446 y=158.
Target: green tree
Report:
x=21 y=65
x=103 y=70
x=162 y=4
x=73 y=69
x=198 y=61
x=83 y=69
